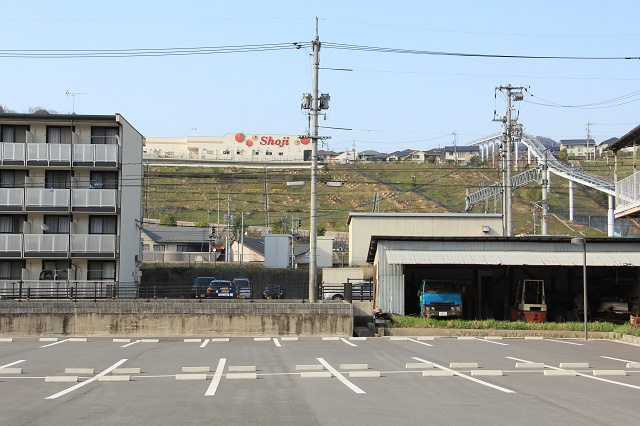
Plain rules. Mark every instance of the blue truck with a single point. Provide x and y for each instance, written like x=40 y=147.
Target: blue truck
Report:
x=440 y=299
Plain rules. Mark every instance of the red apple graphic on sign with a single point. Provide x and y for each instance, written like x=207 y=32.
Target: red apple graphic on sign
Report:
x=305 y=141
x=249 y=143
x=239 y=137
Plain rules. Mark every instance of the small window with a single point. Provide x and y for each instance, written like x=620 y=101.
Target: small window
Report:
x=145 y=247
x=239 y=152
x=158 y=248
x=225 y=152
x=268 y=153
x=280 y=153
x=182 y=248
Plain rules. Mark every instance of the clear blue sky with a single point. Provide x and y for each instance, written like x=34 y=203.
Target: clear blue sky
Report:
x=391 y=101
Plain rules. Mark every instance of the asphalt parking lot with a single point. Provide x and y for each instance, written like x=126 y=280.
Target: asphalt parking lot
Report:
x=314 y=380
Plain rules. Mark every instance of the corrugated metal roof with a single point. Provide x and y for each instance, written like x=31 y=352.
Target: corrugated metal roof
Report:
x=516 y=258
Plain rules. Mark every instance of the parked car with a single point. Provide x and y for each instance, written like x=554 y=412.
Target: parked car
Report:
x=243 y=287
x=200 y=286
x=221 y=289
x=360 y=290
x=273 y=291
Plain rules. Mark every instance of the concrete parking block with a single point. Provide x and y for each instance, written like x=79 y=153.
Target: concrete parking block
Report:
x=486 y=373
x=196 y=369
x=192 y=340
x=121 y=340
x=6 y=339
x=533 y=338
x=48 y=339
x=529 y=365
x=60 y=379
x=574 y=365
x=463 y=365
x=150 y=341
x=123 y=378
x=560 y=372
x=289 y=338
x=426 y=338
x=130 y=370
x=331 y=338
x=219 y=339
x=79 y=370
x=466 y=338
x=398 y=338
x=241 y=376
x=202 y=376
x=10 y=370
x=77 y=339
x=242 y=368
x=354 y=366
x=315 y=375
x=357 y=338
x=359 y=374
x=437 y=373
x=309 y=367
x=418 y=365
x=262 y=339
x=633 y=365
x=493 y=337
x=609 y=373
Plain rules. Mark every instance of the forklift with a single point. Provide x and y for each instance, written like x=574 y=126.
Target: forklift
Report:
x=530 y=304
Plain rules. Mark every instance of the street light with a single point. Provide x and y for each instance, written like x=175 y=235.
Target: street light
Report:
x=583 y=243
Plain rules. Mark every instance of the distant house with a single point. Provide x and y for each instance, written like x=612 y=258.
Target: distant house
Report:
x=460 y=154
x=251 y=250
x=435 y=153
x=179 y=244
x=406 y=156
x=327 y=156
x=369 y=155
x=578 y=148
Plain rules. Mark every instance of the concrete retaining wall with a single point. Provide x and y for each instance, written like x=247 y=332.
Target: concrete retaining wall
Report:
x=174 y=318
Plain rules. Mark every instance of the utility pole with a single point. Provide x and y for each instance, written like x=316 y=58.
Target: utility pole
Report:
x=455 y=148
x=313 y=222
x=586 y=152
x=508 y=121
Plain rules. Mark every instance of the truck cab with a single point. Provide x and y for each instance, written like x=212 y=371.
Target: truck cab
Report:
x=440 y=298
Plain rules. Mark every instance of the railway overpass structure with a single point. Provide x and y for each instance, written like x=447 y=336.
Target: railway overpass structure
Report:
x=547 y=164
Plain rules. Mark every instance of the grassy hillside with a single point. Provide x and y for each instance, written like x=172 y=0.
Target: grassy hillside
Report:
x=199 y=194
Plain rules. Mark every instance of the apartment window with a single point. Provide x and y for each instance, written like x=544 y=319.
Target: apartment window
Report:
x=57 y=179
x=104 y=180
x=105 y=225
x=182 y=248
x=56 y=224
x=12 y=178
x=14 y=133
x=104 y=135
x=101 y=270
x=158 y=247
x=145 y=247
x=12 y=224
x=54 y=270
x=11 y=269
x=58 y=135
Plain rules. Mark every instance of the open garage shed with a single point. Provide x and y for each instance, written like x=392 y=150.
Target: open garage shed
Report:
x=489 y=268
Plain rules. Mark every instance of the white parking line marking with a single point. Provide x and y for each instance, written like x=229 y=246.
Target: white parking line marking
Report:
x=277 y=342
x=204 y=343
x=215 y=380
x=132 y=343
x=55 y=343
x=585 y=375
x=464 y=376
x=615 y=359
x=422 y=343
x=561 y=341
x=86 y=382
x=340 y=377
x=491 y=341
x=12 y=363
x=348 y=342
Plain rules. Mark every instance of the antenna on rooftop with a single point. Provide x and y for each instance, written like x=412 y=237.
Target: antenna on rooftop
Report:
x=73 y=101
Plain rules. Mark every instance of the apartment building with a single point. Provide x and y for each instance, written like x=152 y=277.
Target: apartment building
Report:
x=70 y=204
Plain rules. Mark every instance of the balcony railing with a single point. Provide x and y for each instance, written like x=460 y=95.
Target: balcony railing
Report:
x=58 y=200
x=83 y=245
x=10 y=245
x=46 y=154
x=628 y=195
x=96 y=155
x=46 y=245
x=13 y=153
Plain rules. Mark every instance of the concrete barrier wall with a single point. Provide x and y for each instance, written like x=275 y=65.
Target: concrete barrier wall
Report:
x=175 y=318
